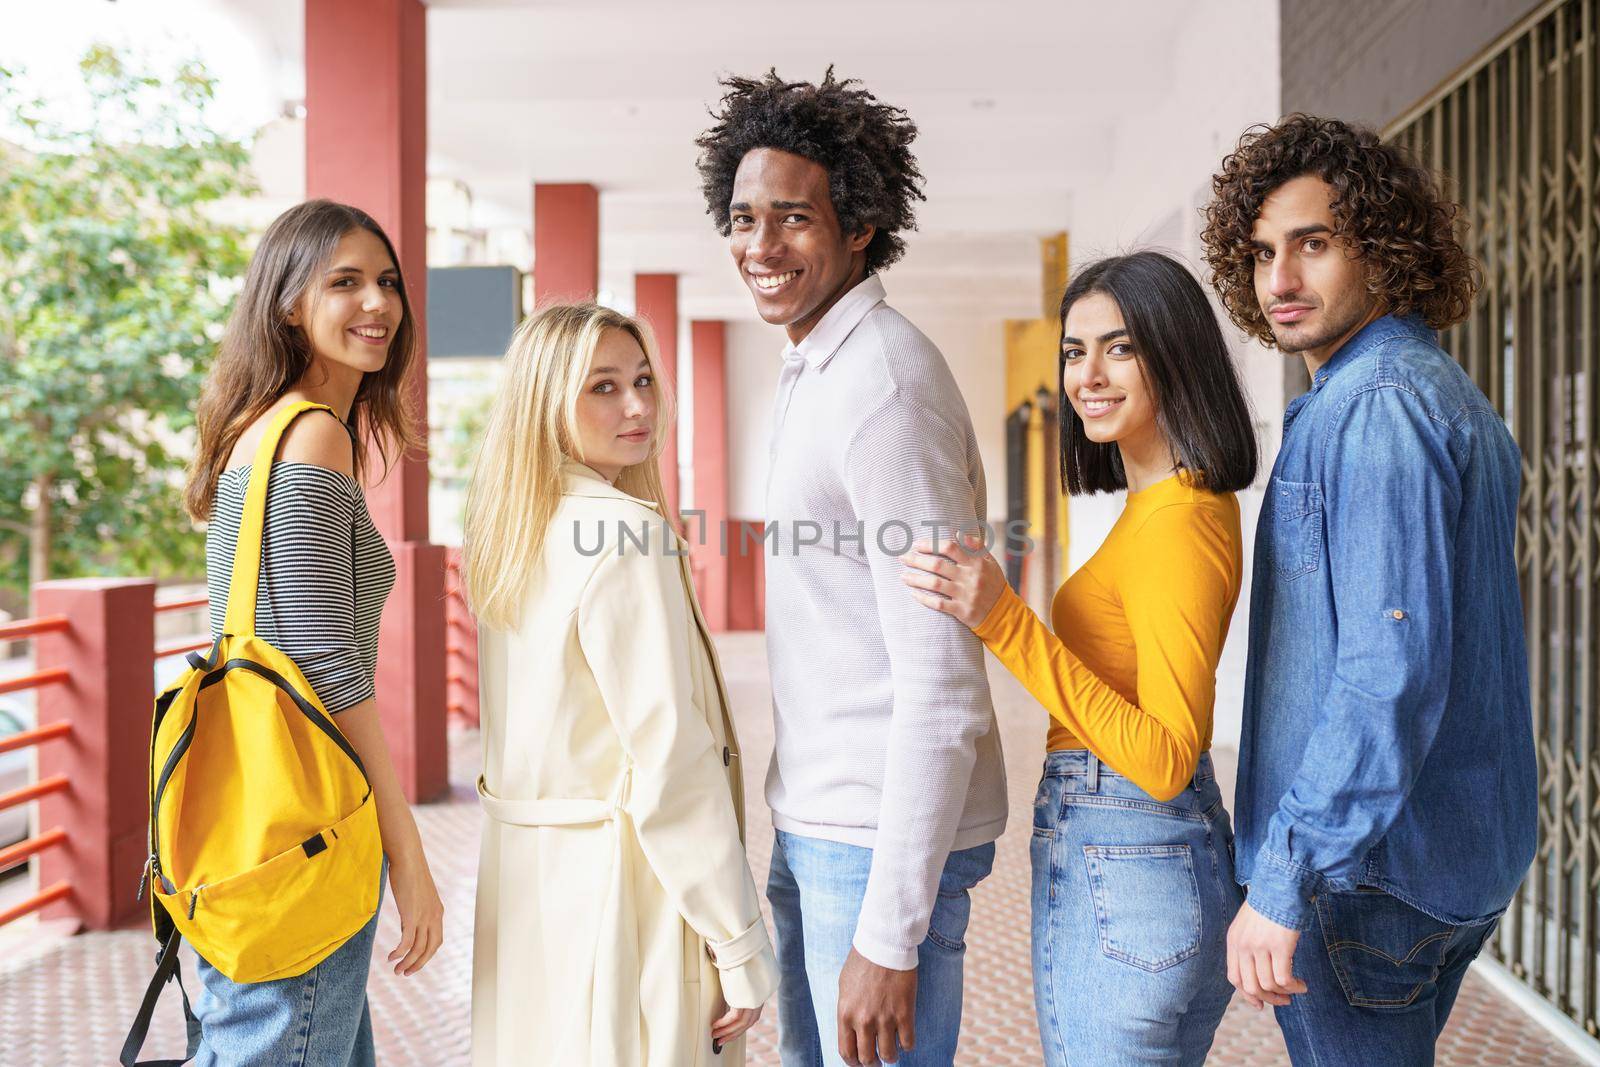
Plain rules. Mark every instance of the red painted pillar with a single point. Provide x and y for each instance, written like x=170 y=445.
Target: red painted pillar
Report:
x=747 y=574
x=708 y=343
x=110 y=650
x=655 y=298
x=566 y=242
x=366 y=144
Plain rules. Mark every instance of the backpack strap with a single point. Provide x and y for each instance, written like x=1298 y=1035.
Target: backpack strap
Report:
x=241 y=617
x=166 y=969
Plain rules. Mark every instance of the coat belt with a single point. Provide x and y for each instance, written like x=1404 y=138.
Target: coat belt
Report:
x=546 y=811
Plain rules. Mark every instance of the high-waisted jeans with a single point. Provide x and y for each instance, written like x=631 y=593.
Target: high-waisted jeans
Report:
x=317 y=1018
x=1132 y=899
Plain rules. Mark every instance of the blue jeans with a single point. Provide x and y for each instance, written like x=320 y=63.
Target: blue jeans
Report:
x=317 y=1019
x=1132 y=899
x=1381 y=979
x=815 y=889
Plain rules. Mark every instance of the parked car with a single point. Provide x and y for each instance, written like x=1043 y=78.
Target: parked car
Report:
x=15 y=769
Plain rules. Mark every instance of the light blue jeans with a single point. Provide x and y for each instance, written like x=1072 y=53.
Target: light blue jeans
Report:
x=816 y=888
x=317 y=1019
x=1132 y=899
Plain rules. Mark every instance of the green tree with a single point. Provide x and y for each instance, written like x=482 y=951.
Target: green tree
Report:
x=115 y=280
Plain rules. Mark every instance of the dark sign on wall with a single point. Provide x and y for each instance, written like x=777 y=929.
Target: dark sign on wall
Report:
x=472 y=310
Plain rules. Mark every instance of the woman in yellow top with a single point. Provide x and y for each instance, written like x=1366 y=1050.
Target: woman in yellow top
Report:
x=1133 y=884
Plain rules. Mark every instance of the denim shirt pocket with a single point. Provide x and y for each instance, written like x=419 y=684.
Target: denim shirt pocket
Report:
x=1296 y=527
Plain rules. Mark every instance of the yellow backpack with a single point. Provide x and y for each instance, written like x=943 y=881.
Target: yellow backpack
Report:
x=264 y=848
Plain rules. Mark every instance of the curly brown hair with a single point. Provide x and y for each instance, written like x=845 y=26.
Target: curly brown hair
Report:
x=1385 y=203
x=863 y=143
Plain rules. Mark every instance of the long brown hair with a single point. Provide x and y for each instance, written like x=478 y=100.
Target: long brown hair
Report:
x=262 y=355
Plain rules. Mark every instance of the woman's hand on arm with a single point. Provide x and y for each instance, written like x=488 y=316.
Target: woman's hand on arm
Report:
x=957 y=577
x=410 y=880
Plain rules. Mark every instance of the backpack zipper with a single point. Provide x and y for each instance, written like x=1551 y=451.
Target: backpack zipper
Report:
x=152 y=867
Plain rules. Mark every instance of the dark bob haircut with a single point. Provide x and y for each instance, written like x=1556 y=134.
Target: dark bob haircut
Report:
x=863 y=144
x=1385 y=203
x=1200 y=407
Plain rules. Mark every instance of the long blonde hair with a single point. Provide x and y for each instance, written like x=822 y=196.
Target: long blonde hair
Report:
x=515 y=486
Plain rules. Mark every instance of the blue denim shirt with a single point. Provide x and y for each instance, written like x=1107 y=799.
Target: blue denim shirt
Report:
x=1387 y=731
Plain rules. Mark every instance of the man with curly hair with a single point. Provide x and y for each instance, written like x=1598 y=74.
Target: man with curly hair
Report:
x=886 y=785
x=1386 y=801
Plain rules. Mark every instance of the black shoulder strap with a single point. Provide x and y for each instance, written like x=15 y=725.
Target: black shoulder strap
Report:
x=166 y=968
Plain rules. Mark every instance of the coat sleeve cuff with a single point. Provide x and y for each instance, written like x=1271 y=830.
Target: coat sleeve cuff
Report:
x=747 y=968
x=1281 y=891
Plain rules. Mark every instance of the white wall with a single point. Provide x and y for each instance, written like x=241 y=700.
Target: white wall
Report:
x=1163 y=185
x=754 y=358
x=975 y=349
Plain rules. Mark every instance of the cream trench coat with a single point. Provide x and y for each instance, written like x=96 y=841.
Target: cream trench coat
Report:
x=615 y=905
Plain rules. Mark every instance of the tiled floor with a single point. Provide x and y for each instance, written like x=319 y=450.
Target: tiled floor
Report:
x=67 y=1000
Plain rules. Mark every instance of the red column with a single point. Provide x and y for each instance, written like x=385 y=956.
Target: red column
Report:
x=707 y=341
x=747 y=574
x=655 y=298
x=566 y=242
x=110 y=650
x=366 y=144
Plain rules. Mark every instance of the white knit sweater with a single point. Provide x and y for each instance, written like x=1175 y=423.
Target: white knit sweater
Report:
x=885 y=733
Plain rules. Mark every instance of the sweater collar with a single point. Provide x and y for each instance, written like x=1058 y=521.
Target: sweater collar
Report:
x=829 y=334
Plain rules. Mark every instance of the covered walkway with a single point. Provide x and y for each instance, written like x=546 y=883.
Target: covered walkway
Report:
x=67 y=1000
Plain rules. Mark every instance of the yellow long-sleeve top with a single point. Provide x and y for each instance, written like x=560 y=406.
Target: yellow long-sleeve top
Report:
x=1130 y=671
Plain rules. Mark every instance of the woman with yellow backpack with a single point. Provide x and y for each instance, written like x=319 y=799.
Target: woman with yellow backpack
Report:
x=274 y=801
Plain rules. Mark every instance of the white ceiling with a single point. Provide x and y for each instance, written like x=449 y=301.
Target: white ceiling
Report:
x=1104 y=119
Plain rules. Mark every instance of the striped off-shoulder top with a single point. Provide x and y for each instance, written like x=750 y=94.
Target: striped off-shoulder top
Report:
x=325 y=574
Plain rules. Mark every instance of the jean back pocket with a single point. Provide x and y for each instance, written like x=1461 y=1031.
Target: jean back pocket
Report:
x=1146 y=903
x=1384 y=951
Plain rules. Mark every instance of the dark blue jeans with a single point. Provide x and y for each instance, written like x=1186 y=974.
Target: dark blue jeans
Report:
x=1381 y=979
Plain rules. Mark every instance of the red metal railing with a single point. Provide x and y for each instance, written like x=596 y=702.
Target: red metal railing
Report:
x=32 y=846
x=47 y=732
x=182 y=605
x=182 y=646
x=15 y=631
x=460 y=647
x=94 y=652
x=34 y=680
x=57 y=891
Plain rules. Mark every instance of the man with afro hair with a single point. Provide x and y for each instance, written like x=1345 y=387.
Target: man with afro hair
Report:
x=886 y=784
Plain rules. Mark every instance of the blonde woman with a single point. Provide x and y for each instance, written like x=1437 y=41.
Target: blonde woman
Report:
x=617 y=922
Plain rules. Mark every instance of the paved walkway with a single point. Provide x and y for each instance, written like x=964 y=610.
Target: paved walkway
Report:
x=67 y=1000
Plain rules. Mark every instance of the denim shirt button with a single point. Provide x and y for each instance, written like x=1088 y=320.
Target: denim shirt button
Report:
x=1398 y=614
